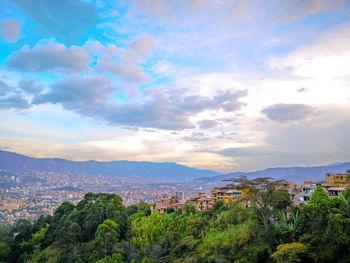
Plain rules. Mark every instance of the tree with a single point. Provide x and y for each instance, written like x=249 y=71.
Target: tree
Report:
x=219 y=206
x=281 y=200
x=170 y=210
x=290 y=253
x=260 y=193
x=107 y=233
x=189 y=209
x=4 y=251
x=115 y=258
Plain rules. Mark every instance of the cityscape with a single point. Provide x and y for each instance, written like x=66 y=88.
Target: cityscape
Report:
x=174 y=131
x=29 y=200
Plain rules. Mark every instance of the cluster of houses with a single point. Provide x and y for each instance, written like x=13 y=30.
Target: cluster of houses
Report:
x=333 y=184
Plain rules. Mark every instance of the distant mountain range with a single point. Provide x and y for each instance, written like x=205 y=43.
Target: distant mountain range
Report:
x=21 y=164
x=295 y=174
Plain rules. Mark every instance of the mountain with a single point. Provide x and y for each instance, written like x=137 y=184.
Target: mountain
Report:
x=295 y=174
x=21 y=164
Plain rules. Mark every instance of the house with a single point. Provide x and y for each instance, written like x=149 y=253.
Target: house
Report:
x=201 y=202
x=226 y=193
x=335 y=191
x=305 y=192
x=161 y=206
x=338 y=180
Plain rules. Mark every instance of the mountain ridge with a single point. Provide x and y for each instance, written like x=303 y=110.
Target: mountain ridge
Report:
x=295 y=173
x=19 y=163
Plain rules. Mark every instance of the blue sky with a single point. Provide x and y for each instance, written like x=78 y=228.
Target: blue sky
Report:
x=222 y=85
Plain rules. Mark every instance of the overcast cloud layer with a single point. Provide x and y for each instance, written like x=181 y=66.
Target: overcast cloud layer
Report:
x=222 y=85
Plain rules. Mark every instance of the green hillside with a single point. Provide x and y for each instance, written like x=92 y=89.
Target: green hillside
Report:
x=100 y=229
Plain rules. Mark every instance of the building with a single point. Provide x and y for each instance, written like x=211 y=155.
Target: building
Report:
x=226 y=193
x=201 y=202
x=335 y=191
x=338 y=180
x=161 y=206
x=305 y=192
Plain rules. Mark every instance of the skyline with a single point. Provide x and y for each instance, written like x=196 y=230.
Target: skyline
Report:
x=220 y=85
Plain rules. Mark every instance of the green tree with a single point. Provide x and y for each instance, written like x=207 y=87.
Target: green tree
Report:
x=115 y=258
x=188 y=209
x=4 y=251
x=170 y=210
x=107 y=233
x=290 y=253
x=260 y=195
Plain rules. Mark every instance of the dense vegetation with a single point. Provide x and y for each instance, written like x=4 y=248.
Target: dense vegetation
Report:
x=260 y=228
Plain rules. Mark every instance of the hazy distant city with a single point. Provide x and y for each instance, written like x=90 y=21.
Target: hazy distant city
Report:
x=29 y=200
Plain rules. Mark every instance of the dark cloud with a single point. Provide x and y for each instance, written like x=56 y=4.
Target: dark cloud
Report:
x=11 y=98
x=224 y=100
x=196 y=136
x=229 y=100
x=128 y=70
x=68 y=20
x=207 y=124
x=14 y=102
x=30 y=86
x=49 y=56
x=4 y=88
x=91 y=96
x=9 y=30
x=303 y=89
x=288 y=112
x=78 y=92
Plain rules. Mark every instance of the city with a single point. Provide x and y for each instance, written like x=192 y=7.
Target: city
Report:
x=29 y=200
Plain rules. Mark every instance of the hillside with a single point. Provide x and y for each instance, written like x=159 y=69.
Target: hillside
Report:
x=20 y=164
x=295 y=174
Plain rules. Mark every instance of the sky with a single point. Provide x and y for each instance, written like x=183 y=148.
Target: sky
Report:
x=213 y=84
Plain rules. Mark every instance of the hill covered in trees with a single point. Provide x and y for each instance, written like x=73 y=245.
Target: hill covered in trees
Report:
x=262 y=227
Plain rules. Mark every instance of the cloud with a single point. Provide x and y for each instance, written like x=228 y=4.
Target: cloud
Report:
x=29 y=86
x=243 y=152
x=143 y=45
x=321 y=140
x=4 y=88
x=294 y=10
x=78 y=92
x=247 y=11
x=302 y=89
x=127 y=72
x=9 y=30
x=67 y=20
x=288 y=112
x=13 y=102
x=49 y=56
x=97 y=48
x=164 y=9
x=207 y=124
x=12 y=98
x=326 y=58
x=92 y=96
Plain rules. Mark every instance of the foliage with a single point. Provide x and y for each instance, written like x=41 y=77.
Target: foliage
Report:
x=290 y=253
x=260 y=227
